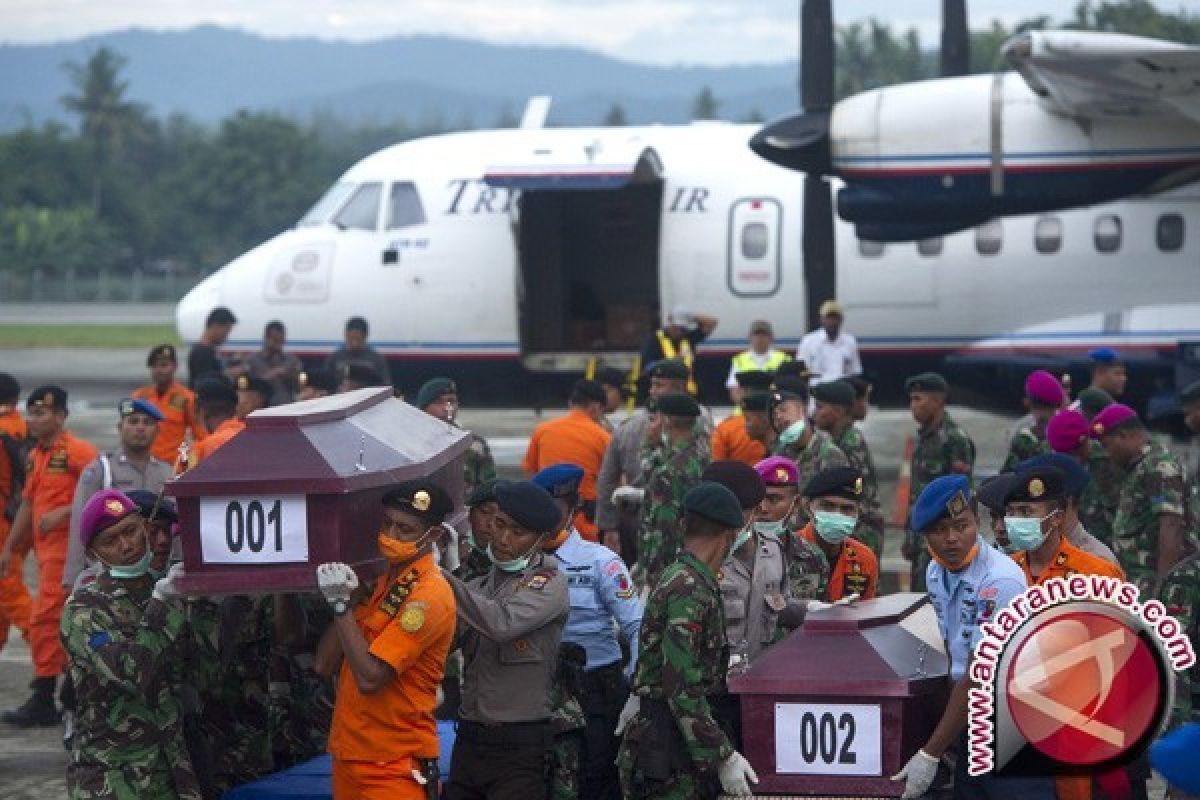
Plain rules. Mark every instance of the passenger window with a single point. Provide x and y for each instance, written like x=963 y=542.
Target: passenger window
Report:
x=868 y=248
x=1107 y=233
x=754 y=240
x=1169 y=233
x=362 y=210
x=989 y=238
x=405 y=207
x=930 y=247
x=1048 y=235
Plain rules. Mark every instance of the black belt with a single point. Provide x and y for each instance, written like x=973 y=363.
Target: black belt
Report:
x=505 y=733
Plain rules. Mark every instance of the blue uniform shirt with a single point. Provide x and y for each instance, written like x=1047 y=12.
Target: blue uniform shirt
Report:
x=601 y=591
x=965 y=600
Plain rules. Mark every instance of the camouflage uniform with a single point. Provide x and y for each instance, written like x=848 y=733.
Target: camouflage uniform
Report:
x=820 y=454
x=668 y=471
x=944 y=450
x=123 y=649
x=1098 y=505
x=231 y=643
x=870 y=527
x=808 y=570
x=1180 y=593
x=1026 y=443
x=476 y=565
x=567 y=725
x=478 y=466
x=1153 y=486
x=301 y=700
x=672 y=747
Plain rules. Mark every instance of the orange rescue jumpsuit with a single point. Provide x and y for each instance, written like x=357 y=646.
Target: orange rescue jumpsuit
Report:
x=730 y=441
x=207 y=446
x=376 y=739
x=856 y=570
x=178 y=407
x=49 y=484
x=572 y=439
x=15 y=603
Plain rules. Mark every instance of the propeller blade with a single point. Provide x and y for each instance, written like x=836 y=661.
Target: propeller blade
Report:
x=817 y=243
x=816 y=55
x=956 y=39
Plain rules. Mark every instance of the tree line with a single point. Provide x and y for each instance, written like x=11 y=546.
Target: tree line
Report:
x=124 y=190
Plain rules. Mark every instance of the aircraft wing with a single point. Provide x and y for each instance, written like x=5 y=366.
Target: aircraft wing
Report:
x=1098 y=75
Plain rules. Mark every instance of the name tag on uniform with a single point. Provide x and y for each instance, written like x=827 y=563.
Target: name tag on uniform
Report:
x=254 y=530
x=828 y=739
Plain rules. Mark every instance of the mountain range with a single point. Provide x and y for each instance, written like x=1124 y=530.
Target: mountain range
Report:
x=209 y=72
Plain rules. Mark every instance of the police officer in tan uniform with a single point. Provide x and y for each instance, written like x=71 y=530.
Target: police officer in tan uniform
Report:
x=511 y=622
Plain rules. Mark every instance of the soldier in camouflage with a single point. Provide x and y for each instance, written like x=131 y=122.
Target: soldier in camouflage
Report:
x=810 y=449
x=673 y=747
x=568 y=725
x=438 y=397
x=1150 y=530
x=942 y=448
x=1180 y=593
x=1189 y=401
x=301 y=701
x=1044 y=395
x=674 y=453
x=122 y=635
x=834 y=414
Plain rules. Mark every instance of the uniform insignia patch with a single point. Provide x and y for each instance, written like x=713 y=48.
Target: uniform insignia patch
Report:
x=421 y=500
x=537 y=582
x=781 y=475
x=114 y=506
x=1036 y=488
x=625 y=589
x=957 y=504
x=858 y=486
x=614 y=569
x=57 y=462
x=412 y=619
x=522 y=645
x=178 y=402
x=243 y=382
x=990 y=593
x=776 y=602
x=1060 y=559
x=99 y=639
x=988 y=608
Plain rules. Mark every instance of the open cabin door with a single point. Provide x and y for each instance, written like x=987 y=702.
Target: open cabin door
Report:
x=587 y=235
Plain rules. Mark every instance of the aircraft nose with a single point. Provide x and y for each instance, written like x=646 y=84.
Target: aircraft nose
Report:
x=195 y=305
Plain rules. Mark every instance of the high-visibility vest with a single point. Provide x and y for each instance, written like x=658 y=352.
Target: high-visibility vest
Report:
x=684 y=353
x=744 y=361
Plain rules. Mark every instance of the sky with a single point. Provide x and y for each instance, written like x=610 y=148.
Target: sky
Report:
x=716 y=32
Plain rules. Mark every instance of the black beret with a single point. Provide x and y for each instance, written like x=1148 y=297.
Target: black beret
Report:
x=147 y=501
x=754 y=379
x=1190 y=394
x=434 y=388
x=10 y=389
x=756 y=401
x=590 y=391
x=361 y=373
x=994 y=490
x=319 y=379
x=838 y=393
x=793 y=369
x=162 y=351
x=927 y=382
x=671 y=369
x=529 y=505
x=245 y=383
x=738 y=477
x=51 y=397
x=715 y=503
x=215 y=390
x=844 y=482
x=421 y=496
x=483 y=493
x=676 y=404
x=1037 y=484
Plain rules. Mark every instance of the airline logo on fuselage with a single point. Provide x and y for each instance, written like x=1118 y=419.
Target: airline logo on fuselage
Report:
x=471 y=197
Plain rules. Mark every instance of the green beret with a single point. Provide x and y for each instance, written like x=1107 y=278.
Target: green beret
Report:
x=838 y=393
x=434 y=388
x=756 y=401
x=671 y=369
x=1190 y=394
x=715 y=503
x=676 y=404
x=927 y=382
x=1092 y=401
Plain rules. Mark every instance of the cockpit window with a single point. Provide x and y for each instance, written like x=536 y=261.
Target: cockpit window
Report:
x=327 y=206
x=362 y=210
x=405 y=208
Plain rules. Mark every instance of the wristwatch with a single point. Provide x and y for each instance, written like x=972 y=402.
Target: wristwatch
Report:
x=339 y=607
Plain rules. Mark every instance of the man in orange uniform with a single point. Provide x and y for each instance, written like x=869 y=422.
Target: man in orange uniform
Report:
x=834 y=498
x=15 y=605
x=390 y=655
x=174 y=401
x=743 y=437
x=216 y=404
x=43 y=518
x=577 y=438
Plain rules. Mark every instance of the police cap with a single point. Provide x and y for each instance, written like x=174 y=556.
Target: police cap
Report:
x=927 y=382
x=529 y=505
x=993 y=490
x=166 y=351
x=739 y=478
x=947 y=496
x=130 y=406
x=246 y=383
x=756 y=401
x=146 y=502
x=420 y=496
x=1075 y=475
x=434 y=388
x=1190 y=394
x=754 y=379
x=1037 y=485
x=560 y=480
x=51 y=397
x=715 y=503
x=844 y=482
x=676 y=404
x=838 y=393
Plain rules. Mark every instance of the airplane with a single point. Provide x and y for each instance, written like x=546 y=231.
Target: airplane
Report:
x=508 y=258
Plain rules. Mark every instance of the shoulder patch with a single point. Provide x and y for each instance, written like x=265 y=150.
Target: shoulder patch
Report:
x=537 y=581
x=614 y=568
x=99 y=639
x=412 y=619
x=178 y=402
x=989 y=593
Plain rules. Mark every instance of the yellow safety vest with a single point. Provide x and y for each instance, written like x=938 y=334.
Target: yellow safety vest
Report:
x=744 y=361
x=684 y=354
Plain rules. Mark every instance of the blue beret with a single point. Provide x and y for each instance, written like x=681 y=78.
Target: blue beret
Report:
x=944 y=496
x=560 y=480
x=1075 y=476
x=1174 y=756
x=1104 y=355
x=139 y=406
x=529 y=505
x=715 y=503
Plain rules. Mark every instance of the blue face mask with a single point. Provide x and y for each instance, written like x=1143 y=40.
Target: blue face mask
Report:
x=833 y=527
x=1025 y=533
x=515 y=565
x=129 y=571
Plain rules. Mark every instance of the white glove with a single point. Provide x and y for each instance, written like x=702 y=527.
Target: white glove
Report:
x=918 y=775
x=632 y=706
x=849 y=599
x=165 y=590
x=628 y=494
x=736 y=775
x=817 y=605
x=337 y=582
